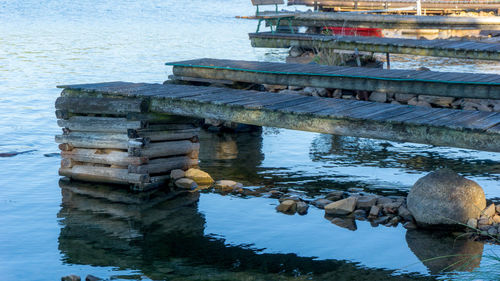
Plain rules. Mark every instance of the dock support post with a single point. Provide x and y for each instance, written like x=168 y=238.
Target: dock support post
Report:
x=111 y=140
x=388 y=58
x=419 y=7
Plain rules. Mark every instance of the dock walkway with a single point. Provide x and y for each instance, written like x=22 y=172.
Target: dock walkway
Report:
x=437 y=48
x=444 y=127
x=451 y=84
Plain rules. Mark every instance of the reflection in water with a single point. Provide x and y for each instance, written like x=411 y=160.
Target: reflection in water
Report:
x=161 y=235
x=441 y=252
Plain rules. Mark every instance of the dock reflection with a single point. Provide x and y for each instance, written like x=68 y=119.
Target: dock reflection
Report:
x=162 y=235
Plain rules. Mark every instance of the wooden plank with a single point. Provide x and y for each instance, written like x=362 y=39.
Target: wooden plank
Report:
x=268 y=2
x=103 y=156
x=164 y=149
x=101 y=105
x=163 y=165
x=186 y=134
x=100 y=124
x=94 y=140
x=102 y=174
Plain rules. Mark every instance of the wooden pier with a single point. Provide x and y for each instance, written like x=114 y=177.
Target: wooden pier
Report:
x=323 y=19
x=451 y=84
x=437 y=48
x=430 y=6
x=446 y=127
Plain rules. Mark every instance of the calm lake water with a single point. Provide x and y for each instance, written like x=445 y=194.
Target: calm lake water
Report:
x=47 y=231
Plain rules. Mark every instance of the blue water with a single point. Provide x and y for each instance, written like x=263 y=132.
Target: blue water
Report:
x=48 y=43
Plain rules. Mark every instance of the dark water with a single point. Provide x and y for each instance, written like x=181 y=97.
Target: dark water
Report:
x=48 y=230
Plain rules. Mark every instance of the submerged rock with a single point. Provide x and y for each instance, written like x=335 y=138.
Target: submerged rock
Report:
x=199 y=176
x=366 y=202
x=228 y=185
x=347 y=223
x=445 y=198
x=321 y=203
x=186 y=183
x=302 y=208
x=341 y=207
x=71 y=277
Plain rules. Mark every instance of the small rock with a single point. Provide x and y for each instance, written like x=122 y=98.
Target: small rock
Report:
x=92 y=278
x=71 y=277
x=394 y=221
x=483 y=227
x=413 y=101
x=492 y=231
x=381 y=220
x=489 y=211
x=199 y=176
x=485 y=221
x=176 y=174
x=378 y=97
x=404 y=98
x=384 y=200
x=321 y=202
x=391 y=208
x=295 y=51
x=437 y=100
x=275 y=194
x=337 y=93
x=293 y=198
x=496 y=219
x=409 y=225
x=341 y=207
x=423 y=68
x=374 y=211
x=228 y=184
x=366 y=202
x=274 y=88
x=186 y=183
x=302 y=208
x=360 y=214
x=405 y=213
x=423 y=103
x=335 y=195
x=287 y=206
x=472 y=223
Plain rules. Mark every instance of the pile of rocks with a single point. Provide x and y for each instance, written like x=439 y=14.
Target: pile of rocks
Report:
x=342 y=208
x=488 y=224
x=393 y=98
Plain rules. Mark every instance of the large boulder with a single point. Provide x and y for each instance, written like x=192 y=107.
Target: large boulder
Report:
x=445 y=198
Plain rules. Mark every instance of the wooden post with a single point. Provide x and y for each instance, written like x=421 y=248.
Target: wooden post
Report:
x=387 y=55
x=117 y=140
x=419 y=7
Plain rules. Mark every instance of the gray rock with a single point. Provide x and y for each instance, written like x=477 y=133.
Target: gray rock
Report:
x=404 y=98
x=391 y=208
x=472 y=223
x=360 y=214
x=295 y=51
x=413 y=101
x=423 y=103
x=384 y=200
x=374 y=211
x=186 y=183
x=274 y=88
x=302 y=208
x=394 y=221
x=485 y=221
x=316 y=92
x=492 y=231
x=176 y=174
x=287 y=206
x=335 y=195
x=71 y=277
x=445 y=198
x=321 y=203
x=405 y=213
x=490 y=210
x=337 y=93
x=436 y=100
x=381 y=220
x=227 y=185
x=92 y=278
x=291 y=92
x=366 y=202
x=341 y=207
x=378 y=97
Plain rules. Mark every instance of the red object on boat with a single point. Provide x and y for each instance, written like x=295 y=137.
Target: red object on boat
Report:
x=354 y=31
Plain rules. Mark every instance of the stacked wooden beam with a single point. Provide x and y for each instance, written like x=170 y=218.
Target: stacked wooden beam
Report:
x=116 y=140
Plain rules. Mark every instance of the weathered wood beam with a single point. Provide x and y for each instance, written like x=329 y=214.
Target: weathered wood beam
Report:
x=378 y=45
x=101 y=105
x=100 y=124
x=162 y=165
x=103 y=156
x=186 y=134
x=103 y=174
x=164 y=149
x=421 y=87
x=94 y=140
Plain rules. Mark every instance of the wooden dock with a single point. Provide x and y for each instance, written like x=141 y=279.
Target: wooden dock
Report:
x=428 y=5
x=451 y=84
x=444 y=127
x=323 y=19
x=437 y=48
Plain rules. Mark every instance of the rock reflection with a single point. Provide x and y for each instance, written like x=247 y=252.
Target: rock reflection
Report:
x=441 y=252
x=161 y=235
x=239 y=154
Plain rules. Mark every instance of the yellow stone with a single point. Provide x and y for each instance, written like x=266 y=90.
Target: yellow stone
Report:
x=200 y=177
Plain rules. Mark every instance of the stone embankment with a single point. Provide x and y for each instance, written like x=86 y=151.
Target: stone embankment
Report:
x=393 y=98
